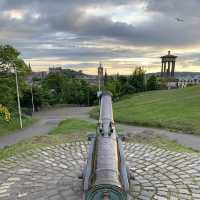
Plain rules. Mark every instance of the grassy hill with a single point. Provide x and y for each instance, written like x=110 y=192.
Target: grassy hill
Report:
x=174 y=109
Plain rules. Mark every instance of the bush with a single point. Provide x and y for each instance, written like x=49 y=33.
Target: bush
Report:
x=152 y=83
x=4 y=113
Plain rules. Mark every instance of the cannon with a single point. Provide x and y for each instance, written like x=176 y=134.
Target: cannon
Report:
x=106 y=176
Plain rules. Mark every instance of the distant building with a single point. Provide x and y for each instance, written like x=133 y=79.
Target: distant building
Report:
x=185 y=82
x=55 y=69
x=29 y=67
x=172 y=85
x=36 y=76
x=168 y=65
x=92 y=79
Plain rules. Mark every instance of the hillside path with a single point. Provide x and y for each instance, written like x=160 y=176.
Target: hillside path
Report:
x=49 y=119
x=187 y=140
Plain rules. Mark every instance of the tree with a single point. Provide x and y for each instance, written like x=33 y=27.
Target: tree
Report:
x=65 y=90
x=105 y=77
x=114 y=86
x=9 y=56
x=52 y=85
x=127 y=89
x=92 y=92
x=7 y=91
x=137 y=79
x=152 y=83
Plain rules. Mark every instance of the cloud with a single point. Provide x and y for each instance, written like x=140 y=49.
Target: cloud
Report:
x=99 y=29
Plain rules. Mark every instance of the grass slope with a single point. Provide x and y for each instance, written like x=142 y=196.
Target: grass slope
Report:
x=174 y=109
x=74 y=128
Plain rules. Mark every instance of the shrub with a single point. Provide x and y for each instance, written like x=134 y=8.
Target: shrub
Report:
x=4 y=113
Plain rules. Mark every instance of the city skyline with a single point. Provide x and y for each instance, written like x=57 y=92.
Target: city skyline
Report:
x=121 y=34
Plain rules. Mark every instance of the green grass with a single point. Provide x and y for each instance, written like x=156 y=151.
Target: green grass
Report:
x=173 y=109
x=13 y=125
x=160 y=142
x=73 y=129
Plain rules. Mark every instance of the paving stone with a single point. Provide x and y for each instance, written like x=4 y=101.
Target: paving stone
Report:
x=52 y=173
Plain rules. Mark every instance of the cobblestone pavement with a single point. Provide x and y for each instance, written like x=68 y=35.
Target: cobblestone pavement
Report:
x=51 y=173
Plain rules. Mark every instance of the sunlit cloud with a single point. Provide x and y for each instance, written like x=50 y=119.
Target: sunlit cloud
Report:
x=15 y=14
x=120 y=34
x=130 y=13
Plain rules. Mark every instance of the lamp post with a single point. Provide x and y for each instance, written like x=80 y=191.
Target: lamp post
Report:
x=18 y=99
x=32 y=99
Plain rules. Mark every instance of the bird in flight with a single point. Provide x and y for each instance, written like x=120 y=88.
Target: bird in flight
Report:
x=179 y=19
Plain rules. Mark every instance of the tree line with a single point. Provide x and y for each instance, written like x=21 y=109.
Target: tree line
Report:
x=136 y=82
x=59 y=88
x=56 y=88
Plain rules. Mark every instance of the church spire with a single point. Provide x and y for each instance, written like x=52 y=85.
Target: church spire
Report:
x=100 y=76
x=29 y=67
x=105 y=76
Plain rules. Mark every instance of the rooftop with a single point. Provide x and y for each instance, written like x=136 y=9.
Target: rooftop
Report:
x=169 y=55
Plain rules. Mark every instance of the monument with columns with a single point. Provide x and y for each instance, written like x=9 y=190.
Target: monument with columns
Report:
x=168 y=65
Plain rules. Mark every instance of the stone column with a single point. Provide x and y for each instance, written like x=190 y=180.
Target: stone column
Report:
x=173 y=68
x=171 y=73
x=162 y=68
x=168 y=70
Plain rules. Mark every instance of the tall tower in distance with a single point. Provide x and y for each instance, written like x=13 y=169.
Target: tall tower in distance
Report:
x=29 y=67
x=100 y=77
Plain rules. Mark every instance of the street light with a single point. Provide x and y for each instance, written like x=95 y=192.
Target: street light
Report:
x=18 y=98
x=32 y=99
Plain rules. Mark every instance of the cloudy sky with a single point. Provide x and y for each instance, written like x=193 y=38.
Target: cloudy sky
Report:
x=121 y=34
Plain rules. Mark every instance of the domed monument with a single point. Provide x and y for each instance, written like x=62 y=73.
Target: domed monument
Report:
x=168 y=65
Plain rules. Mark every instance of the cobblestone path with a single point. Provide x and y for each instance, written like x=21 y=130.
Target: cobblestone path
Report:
x=51 y=173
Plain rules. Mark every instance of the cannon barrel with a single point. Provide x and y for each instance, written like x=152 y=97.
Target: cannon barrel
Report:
x=106 y=175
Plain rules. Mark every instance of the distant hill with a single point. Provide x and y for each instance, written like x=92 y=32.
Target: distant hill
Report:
x=188 y=75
